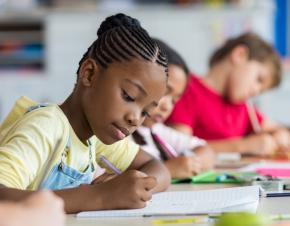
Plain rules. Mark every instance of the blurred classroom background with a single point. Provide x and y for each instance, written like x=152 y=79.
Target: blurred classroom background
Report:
x=42 y=41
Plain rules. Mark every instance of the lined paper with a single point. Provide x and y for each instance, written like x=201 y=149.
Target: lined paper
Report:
x=191 y=202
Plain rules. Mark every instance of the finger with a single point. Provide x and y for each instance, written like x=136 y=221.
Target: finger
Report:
x=137 y=173
x=149 y=183
x=146 y=196
x=196 y=170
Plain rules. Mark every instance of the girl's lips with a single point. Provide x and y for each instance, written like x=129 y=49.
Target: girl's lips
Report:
x=120 y=135
x=120 y=132
x=157 y=118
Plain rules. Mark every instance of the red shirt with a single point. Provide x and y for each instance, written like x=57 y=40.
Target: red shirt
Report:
x=209 y=115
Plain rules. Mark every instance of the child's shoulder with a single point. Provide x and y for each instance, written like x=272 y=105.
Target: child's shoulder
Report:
x=26 y=112
x=49 y=112
x=196 y=84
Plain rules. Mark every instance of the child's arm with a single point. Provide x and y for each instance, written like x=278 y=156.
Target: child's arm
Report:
x=152 y=167
x=187 y=166
x=41 y=208
x=279 y=133
x=184 y=166
x=131 y=189
x=181 y=128
x=207 y=157
x=272 y=138
x=182 y=142
x=262 y=144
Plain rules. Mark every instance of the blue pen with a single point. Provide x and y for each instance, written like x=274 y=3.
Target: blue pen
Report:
x=110 y=165
x=276 y=194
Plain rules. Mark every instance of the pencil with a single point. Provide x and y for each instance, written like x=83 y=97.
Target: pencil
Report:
x=277 y=194
x=253 y=117
x=110 y=165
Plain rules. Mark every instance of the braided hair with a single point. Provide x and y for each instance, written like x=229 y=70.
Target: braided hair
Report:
x=173 y=57
x=121 y=38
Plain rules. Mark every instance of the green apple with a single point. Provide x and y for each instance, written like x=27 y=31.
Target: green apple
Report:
x=242 y=219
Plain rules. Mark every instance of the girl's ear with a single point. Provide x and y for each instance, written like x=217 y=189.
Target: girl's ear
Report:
x=239 y=54
x=88 y=72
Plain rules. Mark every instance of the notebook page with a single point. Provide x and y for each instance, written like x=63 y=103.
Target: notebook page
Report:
x=191 y=202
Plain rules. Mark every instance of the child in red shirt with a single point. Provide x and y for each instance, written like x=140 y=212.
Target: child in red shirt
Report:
x=214 y=107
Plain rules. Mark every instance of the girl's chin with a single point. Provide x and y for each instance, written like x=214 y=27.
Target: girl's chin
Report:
x=237 y=100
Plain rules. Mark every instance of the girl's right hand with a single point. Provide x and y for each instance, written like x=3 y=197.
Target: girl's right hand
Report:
x=184 y=166
x=43 y=208
x=131 y=189
x=103 y=178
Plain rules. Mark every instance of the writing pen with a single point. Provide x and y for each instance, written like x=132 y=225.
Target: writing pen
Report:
x=110 y=165
x=276 y=194
x=210 y=215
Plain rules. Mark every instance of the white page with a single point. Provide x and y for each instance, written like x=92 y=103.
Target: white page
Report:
x=191 y=202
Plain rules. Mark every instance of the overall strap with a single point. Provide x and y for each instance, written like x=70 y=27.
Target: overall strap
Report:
x=62 y=144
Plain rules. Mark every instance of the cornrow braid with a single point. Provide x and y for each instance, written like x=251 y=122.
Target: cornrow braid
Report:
x=121 y=38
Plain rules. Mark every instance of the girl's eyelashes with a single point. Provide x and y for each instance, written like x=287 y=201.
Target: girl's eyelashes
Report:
x=127 y=97
x=145 y=114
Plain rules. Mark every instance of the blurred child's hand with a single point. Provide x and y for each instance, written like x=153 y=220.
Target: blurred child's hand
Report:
x=103 y=178
x=282 y=137
x=184 y=166
x=43 y=208
x=207 y=157
x=261 y=144
x=131 y=189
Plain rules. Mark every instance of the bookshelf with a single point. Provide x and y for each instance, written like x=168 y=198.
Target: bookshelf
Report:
x=22 y=46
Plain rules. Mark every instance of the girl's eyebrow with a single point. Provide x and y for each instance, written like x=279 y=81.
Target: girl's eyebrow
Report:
x=138 y=85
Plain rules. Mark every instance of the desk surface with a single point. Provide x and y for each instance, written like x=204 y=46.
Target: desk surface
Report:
x=266 y=206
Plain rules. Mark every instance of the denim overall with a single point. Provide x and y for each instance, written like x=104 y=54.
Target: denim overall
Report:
x=63 y=176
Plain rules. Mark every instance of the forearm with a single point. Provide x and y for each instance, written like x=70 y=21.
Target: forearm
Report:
x=158 y=170
x=8 y=209
x=230 y=145
x=182 y=128
x=12 y=194
x=206 y=156
x=75 y=199
x=82 y=198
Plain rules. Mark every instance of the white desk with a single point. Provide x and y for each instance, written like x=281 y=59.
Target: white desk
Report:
x=266 y=206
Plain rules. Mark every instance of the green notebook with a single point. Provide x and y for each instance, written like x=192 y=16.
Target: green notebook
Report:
x=218 y=177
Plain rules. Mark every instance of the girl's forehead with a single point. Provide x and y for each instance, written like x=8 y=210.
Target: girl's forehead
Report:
x=139 y=69
x=148 y=74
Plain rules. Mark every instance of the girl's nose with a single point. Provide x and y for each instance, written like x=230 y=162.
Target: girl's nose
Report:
x=133 y=118
x=165 y=104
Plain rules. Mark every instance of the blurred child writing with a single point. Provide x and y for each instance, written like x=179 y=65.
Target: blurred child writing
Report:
x=191 y=153
x=214 y=107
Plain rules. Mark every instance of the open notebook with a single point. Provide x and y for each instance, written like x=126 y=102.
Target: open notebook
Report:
x=191 y=202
